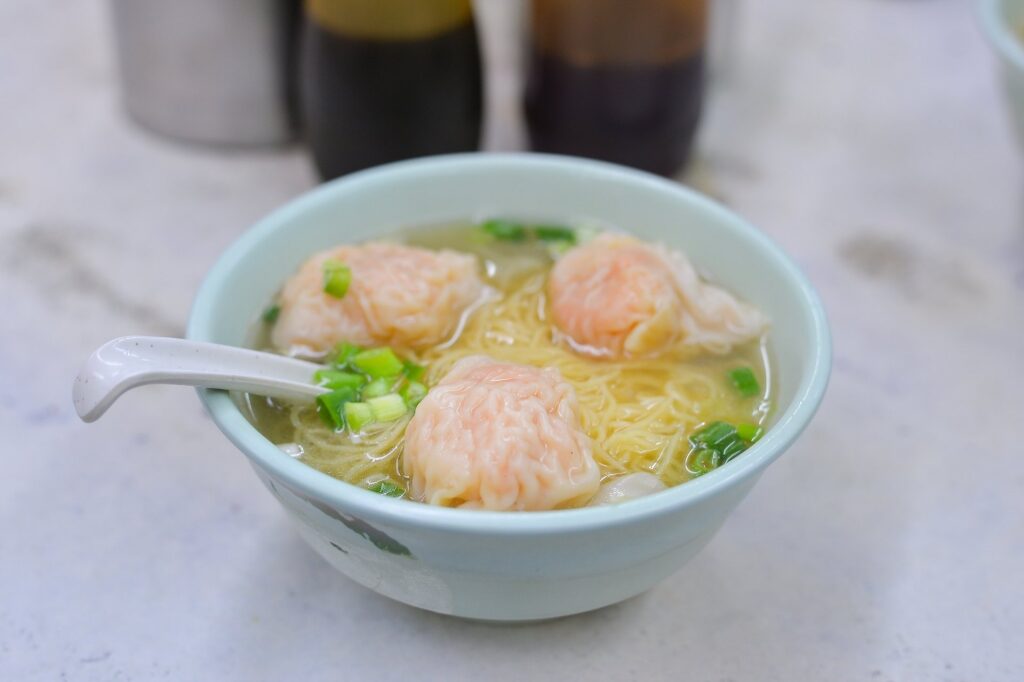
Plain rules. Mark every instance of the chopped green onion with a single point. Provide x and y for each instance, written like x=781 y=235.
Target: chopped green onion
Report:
x=702 y=461
x=555 y=233
x=714 y=434
x=715 y=444
x=271 y=314
x=413 y=371
x=378 y=387
x=388 y=488
x=337 y=277
x=358 y=415
x=505 y=229
x=388 y=408
x=378 y=362
x=412 y=393
x=330 y=406
x=745 y=382
x=343 y=354
x=749 y=432
x=334 y=378
x=731 y=449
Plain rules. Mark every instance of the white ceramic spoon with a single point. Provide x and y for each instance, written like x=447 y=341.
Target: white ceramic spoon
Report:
x=131 y=361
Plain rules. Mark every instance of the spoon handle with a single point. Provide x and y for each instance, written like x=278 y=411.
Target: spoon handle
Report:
x=131 y=361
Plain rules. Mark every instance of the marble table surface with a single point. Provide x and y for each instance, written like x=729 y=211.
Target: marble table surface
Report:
x=868 y=138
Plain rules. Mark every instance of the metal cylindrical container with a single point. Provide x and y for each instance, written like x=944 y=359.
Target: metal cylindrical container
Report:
x=207 y=71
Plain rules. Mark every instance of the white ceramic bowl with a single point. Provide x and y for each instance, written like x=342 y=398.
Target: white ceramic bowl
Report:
x=499 y=565
x=1003 y=22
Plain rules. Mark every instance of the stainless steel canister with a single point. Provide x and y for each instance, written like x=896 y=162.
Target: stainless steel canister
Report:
x=208 y=71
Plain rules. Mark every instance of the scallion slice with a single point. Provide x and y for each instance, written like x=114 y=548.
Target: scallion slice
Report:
x=745 y=382
x=555 y=233
x=714 y=434
x=715 y=444
x=337 y=277
x=702 y=461
x=387 y=408
x=271 y=314
x=330 y=406
x=378 y=362
x=343 y=354
x=333 y=379
x=378 y=387
x=358 y=415
x=413 y=371
x=388 y=488
x=505 y=230
x=731 y=449
x=412 y=393
x=749 y=432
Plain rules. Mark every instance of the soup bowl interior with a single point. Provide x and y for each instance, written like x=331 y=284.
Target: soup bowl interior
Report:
x=514 y=566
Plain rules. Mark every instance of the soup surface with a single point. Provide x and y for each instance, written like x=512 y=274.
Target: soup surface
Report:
x=644 y=415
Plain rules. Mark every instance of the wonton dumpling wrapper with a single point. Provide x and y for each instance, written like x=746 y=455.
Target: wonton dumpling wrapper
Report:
x=501 y=436
x=625 y=488
x=399 y=295
x=619 y=297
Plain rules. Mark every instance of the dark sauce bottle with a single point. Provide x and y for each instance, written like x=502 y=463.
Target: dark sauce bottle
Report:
x=615 y=80
x=383 y=80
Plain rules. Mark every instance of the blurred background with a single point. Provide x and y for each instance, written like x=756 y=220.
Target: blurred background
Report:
x=873 y=139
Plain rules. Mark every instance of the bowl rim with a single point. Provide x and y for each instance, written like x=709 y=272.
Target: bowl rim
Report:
x=1006 y=43
x=354 y=500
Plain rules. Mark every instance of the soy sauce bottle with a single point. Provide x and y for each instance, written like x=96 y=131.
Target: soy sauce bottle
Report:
x=383 y=80
x=616 y=80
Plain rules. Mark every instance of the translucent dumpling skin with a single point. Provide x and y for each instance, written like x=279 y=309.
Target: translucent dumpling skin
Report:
x=618 y=297
x=625 y=488
x=399 y=295
x=500 y=436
